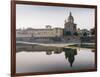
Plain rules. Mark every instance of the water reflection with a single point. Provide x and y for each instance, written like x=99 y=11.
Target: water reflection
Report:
x=37 y=58
x=49 y=50
x=93 y=50
x=70 y=54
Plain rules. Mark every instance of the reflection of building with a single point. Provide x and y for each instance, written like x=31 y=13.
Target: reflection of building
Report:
x=49 y=52
x=93 y=50
x=70 y=54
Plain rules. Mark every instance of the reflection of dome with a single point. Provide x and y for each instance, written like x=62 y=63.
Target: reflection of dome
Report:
x=71 y=60
x=70 y=54
x=71 y=18
x=48 y=52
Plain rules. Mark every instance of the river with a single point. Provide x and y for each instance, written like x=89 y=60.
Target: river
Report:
x=35 y=58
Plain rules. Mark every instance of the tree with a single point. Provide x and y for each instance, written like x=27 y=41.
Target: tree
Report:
x=75 y=33
x=85 y=34
x=92 y=31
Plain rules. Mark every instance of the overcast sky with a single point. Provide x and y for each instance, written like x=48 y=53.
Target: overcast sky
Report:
x=39 y=16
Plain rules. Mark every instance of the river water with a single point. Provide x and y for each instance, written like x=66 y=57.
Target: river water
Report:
x=50 y=59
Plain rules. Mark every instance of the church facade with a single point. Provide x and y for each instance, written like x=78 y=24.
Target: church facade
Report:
x=70 y=26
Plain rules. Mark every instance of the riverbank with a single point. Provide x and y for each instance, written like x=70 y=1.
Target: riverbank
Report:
x=84 y=45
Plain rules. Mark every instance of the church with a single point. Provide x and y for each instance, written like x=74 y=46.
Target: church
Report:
x=70 y=26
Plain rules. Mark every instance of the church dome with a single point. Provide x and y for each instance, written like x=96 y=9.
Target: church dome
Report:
x=71 y=18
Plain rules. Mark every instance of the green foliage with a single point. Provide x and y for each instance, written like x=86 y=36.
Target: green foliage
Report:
x=93 y=31
x=75 y=33
x=85 y=34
